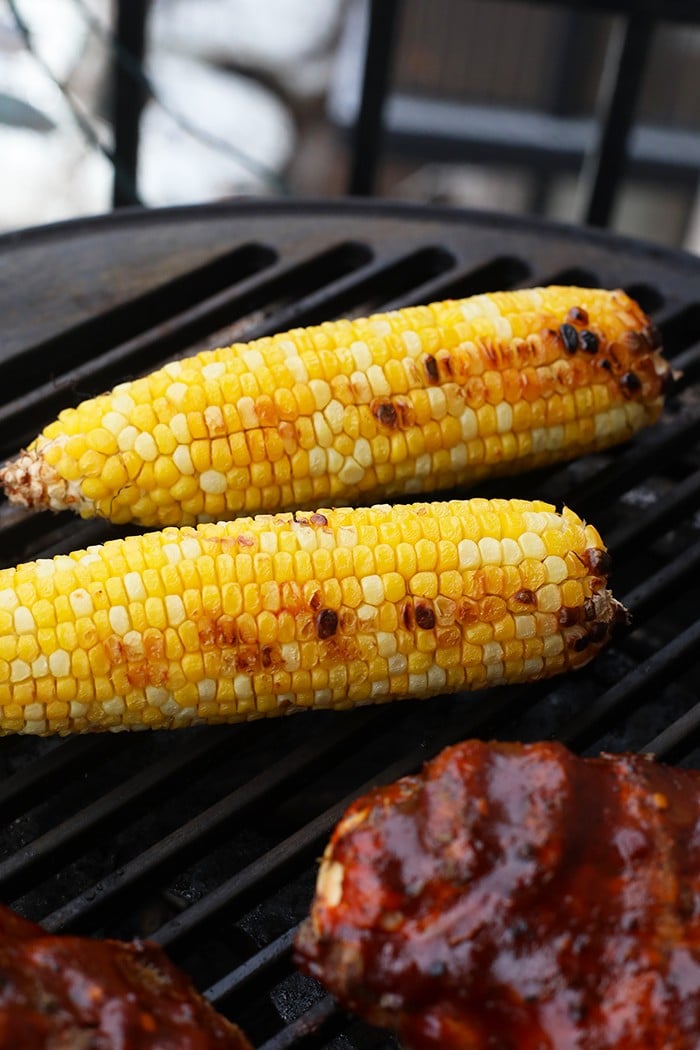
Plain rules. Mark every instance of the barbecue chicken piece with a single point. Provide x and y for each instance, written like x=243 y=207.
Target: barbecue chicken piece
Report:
x=517 y=897
x=346 y=412
x=73 y=993
x=266 y=616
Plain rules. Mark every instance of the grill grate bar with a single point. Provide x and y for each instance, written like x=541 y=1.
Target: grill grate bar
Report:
x=502 y=273
x=271 y=955
x=175 y=335
x=198 y=831
x=347 y=293
x=650 y=452
x=182 y=300
x=654 y=671
x=687 y=362
x=324 y=286
x=308 y=1024
x=31 y=784
x=679 y=733
x=297 y=846
x=667 y=512
x=43 y=853
x=645 y=599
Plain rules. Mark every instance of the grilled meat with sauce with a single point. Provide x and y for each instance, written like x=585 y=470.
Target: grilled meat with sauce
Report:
x=73 y=993
x=517 y=897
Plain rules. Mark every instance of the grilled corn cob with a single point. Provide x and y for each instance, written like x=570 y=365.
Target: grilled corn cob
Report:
x=411 y=401
x=264 y=616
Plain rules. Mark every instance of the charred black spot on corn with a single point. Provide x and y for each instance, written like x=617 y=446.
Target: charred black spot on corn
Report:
x=589 y=341
x=630 y=383
x=577 y=315
x=385 y=412
x=431 y=369
x=525 y=597
x=597 y=561
x=326 y=623
x=569 y=337
x=425 y=617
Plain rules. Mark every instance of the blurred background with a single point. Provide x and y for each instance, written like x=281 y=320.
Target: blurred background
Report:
x=496 y=104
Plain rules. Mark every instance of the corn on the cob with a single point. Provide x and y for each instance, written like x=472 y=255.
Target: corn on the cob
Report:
x=411 y=401
x=265 y=616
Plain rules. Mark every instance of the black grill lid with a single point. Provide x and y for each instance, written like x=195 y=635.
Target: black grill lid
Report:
x=206 y=839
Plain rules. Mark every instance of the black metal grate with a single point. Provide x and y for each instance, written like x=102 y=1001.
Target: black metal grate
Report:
x=206 y=839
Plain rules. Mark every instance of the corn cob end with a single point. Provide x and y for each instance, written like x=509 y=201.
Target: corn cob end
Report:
x=30 y=481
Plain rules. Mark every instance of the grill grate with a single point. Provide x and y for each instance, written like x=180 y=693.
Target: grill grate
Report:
x=206 y=839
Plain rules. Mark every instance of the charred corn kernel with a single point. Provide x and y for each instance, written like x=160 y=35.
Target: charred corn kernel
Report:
x=268 y=615
x=412 y=400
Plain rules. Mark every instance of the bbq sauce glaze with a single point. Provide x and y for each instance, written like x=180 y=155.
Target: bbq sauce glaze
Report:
x=518 y=897
x=74 y=993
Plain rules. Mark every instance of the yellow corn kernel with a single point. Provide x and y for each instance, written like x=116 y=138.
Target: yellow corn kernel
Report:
x=262 y=616
x=437 y=396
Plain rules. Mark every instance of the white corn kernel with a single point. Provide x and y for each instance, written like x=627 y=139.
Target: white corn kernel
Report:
x=214 y=370
x=19 y=671
x=437 y=677
x=412 y=342
x=59 y=663
x=556 y=569
x=243 y=687
x=119 y=619
x=386 y=644
x=373 y=589
x=361 y=353
x=206 y=689
x=180 y=428
x=335 y=416
x=114 y=422
x=191 y=548
x=378 y=381
x=320 y=391
x=174 y=609
x=352 y=473
x=176 y=393
x=123 y=402
x=24 y=620
x=247 y=413
x=133 y=585
x=469 y=424
x=549 y=598
x=213 y=482
x=512 y=552
x=146 y=448
x=438 y=402
x=362 y=452
x=317 y=462
x=525 y=626
x=504 y=417
x=532 y=545
x=40 y=666
x=469 y=554
x=490 y=550
x=183 y=460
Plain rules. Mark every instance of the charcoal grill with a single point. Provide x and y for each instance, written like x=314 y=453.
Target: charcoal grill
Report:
x=205 y=840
